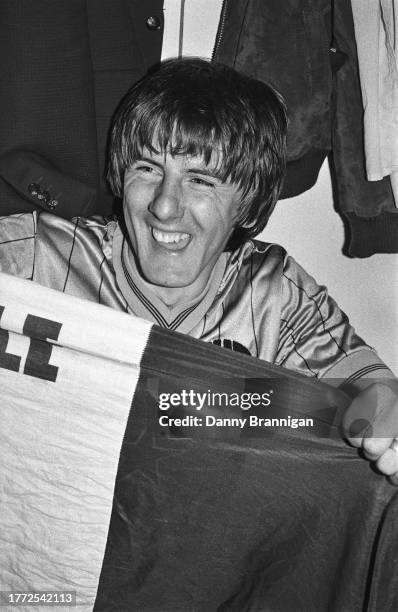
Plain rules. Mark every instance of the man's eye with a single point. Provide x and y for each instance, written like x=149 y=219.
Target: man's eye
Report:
x=201 y=181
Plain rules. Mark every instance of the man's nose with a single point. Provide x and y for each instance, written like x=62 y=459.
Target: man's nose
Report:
x=167 y=200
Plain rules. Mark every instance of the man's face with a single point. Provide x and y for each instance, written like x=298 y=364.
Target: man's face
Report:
x=179 y=217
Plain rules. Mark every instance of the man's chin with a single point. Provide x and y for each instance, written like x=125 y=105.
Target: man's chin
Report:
x=170 y=283
x=166 y=277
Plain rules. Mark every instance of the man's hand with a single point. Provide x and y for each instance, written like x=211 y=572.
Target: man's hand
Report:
x=371 y=423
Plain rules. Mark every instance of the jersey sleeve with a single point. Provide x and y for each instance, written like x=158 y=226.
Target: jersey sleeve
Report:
x=316 y=337
x=17 y=244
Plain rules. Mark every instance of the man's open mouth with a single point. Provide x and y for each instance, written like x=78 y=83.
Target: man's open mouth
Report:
x=170 y=238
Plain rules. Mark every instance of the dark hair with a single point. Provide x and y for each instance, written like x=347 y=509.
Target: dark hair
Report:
x=194 y=107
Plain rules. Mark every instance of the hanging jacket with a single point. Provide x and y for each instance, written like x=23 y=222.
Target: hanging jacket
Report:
x=64 y=68
x=306 y=48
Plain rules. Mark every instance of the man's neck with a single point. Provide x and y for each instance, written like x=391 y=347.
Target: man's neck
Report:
x=172 y=297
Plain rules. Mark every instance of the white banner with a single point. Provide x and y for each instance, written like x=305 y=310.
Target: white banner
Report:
x=68 y=371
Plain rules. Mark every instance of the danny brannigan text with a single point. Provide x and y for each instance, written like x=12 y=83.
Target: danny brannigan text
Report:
x=251 y=421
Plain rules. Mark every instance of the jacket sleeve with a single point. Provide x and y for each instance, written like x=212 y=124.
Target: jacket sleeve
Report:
x=30 y=182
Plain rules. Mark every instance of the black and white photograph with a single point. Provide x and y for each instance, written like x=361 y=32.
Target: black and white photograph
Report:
x=199 y=305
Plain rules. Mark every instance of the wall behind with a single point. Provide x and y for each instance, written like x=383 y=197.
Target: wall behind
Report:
x=366 y=289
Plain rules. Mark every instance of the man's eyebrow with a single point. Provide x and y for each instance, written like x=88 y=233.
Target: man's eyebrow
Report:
x=203 y=170
x=206 y=172
x=148 y=160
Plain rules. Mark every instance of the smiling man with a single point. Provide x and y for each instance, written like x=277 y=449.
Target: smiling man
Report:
x=197 y=152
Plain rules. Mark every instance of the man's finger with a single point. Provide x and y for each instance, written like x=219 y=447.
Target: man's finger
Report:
x=373 y=448
x=388 y=462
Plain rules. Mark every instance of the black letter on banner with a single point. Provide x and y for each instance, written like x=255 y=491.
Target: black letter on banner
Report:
x=39 y=353
x=7 y=360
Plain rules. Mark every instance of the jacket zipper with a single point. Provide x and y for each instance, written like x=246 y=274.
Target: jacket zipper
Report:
x=220 y=30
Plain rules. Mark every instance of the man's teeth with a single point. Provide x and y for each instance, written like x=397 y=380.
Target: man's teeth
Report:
x=168 y=236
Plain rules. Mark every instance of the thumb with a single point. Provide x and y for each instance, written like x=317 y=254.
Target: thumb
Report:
x=372 y=414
